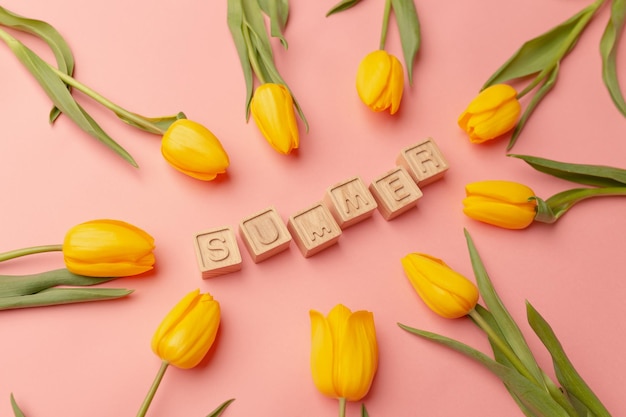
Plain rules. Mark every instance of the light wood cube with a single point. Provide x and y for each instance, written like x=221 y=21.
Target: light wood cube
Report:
x=350 y=202
x=395 y=192
x=314 y=229
x=424 y=162
x=217 y=252
x=264 y=234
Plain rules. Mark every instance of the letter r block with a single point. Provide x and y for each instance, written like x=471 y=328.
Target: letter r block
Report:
x=264 y=234
x=217 y=252
x=395 y=192
x=424 y=162
x=314 y=229
x=350 y=202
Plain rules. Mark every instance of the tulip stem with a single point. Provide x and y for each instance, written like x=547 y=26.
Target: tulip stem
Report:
x=153 y=388
x=383 y=34
x=29 y=251
x=342 y=407
x=254 y=62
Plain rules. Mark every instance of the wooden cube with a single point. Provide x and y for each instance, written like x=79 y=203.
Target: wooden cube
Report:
x=314 y=229
x=424 y=162
x=395 y=192
x=264 y=234
x=217 y=252
x=350 y=202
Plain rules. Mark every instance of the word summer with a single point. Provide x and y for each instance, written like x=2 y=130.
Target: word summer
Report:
x=320 y=225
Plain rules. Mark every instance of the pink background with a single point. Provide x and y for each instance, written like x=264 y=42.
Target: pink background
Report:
x=158 y=58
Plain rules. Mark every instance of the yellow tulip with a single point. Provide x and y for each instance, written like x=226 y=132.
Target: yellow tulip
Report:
x=193 y=150
x=491 y=114
x=505 y=204
x=273 y=112
x=188 y=331
x=108 y=248
x=445 y=291
x=344 y=353
x=380 y=81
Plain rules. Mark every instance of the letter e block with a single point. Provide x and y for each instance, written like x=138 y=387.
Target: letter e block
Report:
x=424 y=162
x=314 y=229
x=217 y=252
x=395 y=192
x=264 y=234
x=350 y=202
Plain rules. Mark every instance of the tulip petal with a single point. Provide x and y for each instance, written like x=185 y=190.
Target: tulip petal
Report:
x=506 y=191
x=501 y=122
x=322 y=354
x=491 y=97
x=508 y=216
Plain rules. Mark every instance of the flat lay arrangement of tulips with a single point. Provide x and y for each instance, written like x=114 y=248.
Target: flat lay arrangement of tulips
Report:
x=344 y=345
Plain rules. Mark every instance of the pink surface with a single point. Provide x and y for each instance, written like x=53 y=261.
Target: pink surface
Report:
x=161 y=57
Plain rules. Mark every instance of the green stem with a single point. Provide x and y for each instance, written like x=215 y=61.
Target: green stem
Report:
x=29 y=251
x=383 y=33
x=342 y=407
x=153 y=388
x=565 y=48
x=254 y=62
x=553 y=208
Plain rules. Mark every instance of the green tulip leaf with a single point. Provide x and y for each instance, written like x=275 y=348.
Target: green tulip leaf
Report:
x=341 y=6
x=278 y=12
x=550 y=210
x=221 y=408
x=541 y=92
x=364 y=412
x=17 y=285
x=595 y=175
x=505 y=323
x=16 y=408
x=235 y=20
x=536 y=400
x=58 y=296
x=543 y=52
x=608 y=51
x=61 y=50
x=567 y=375
x=409 y=28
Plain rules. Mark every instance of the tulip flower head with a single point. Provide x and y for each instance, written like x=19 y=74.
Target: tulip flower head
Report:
x=193 y=150
x=380 y=81
x=108 y=248
x=188 y=331
x=505 y=204
x=491 y=114
x=443 y=290
x=273 y=112
x=344 y=353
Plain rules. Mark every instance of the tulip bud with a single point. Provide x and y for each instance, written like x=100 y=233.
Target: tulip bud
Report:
x=193 y=150
x=272 y=109
x=344 y=352
x=108 y=248
x=380 y=81
x=506 y=204
x=188 y=331
x=445 y=291
x=491 y=114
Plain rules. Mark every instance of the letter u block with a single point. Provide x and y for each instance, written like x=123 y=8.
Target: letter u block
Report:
x=424 y=162
x=217 y=252
x=350 y=202
x=395 y=192
x=314 y=229
x=264 y=234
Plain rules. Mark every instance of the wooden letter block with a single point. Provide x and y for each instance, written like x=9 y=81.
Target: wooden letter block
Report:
x=424 y=162
x=264 y=234
x=217 y=252
x=395 y=192
x=350 y=202
x=314 y=229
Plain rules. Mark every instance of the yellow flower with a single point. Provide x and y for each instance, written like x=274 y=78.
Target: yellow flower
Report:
x=380 y=81
x=273 y=112
x=445 y=291
x=193 y=150
x=188 y=331
x=491 y=114
x=505 y=204
x=108 y=248
x=344 y=352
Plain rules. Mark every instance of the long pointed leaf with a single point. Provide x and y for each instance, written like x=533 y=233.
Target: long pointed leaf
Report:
x=16 y=285
x=235 y=21
x=58 y=296
x=566 y=373
x=341 y=6
x=16 y=408
x=409 y=27
x=278 y=12
x=608 y=50
x=221 y=408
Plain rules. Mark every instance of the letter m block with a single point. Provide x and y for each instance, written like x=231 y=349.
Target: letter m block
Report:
x=424 y=162
x=350 y=202
x=314 y=229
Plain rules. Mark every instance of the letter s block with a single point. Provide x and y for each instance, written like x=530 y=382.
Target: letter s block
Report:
x=395 y=192
x=264 y=234
x=424 y=162
x=217 y=252
x=314 y=229
x=350 y=202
